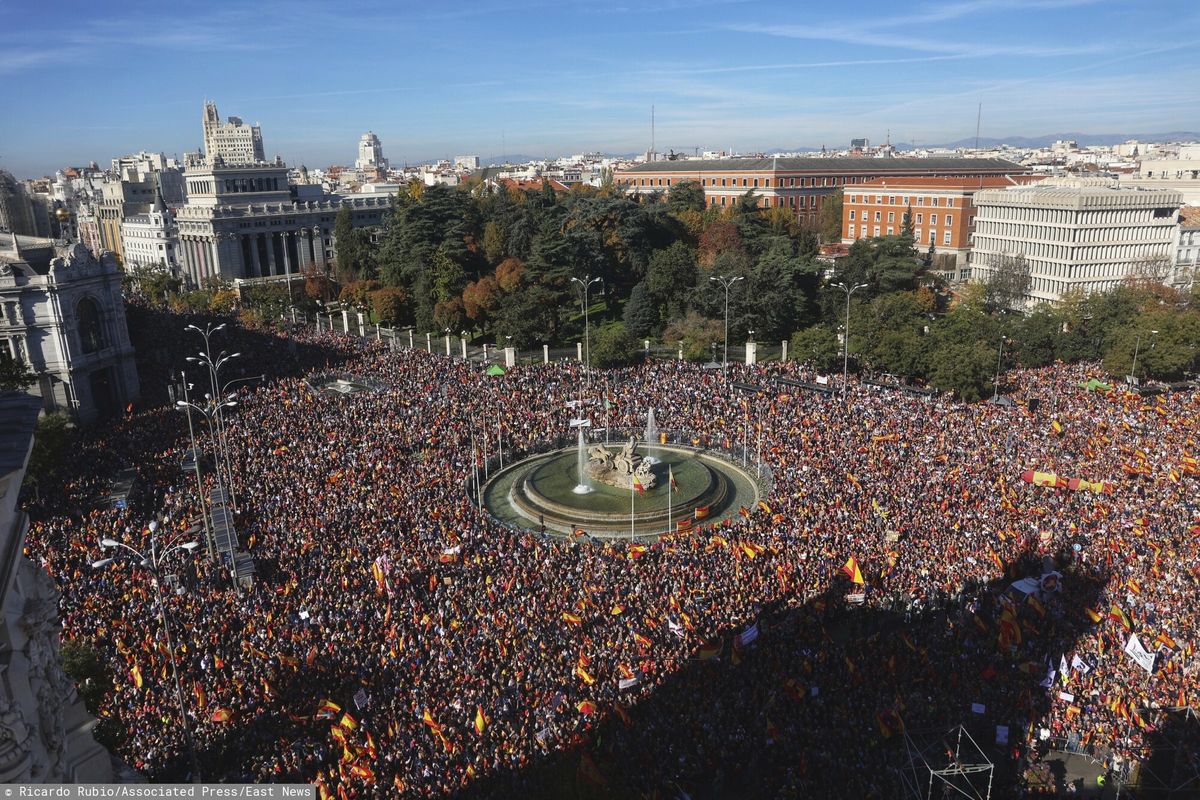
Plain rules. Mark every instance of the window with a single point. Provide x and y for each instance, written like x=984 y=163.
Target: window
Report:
x=755 y=182
x=722 y=181
x=862 y=229
x=91 y=333
x=920 y=201
x=852 y=213
x=932 y=236
x=917 y=235
x=920 y=217
x=946 y=237
x=949 y=219
x=892 y=200
x=877 y=216
x=722 y=200
x=933 y=219
x=891 y=216
x=876 y=230
x=933 y=201
x=891 y=231
x=949 y=201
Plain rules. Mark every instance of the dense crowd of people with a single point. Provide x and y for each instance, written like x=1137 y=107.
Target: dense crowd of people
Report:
x=398 y=642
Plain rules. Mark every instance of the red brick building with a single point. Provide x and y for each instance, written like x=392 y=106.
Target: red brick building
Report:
x=801 y=184
x=943 y=214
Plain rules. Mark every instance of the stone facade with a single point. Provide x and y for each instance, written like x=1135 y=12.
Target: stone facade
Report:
x=62 y=312
x=45 y=732
x=233 y=142
x=151 y=239
x=248 y=222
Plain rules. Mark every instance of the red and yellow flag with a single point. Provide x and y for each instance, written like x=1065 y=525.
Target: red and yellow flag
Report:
x=574 y=619
x=222 y=715
x=480 y=720
x=852 y=571
x=1120 y=616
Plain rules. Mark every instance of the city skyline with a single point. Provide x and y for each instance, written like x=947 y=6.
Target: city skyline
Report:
x=552 y=78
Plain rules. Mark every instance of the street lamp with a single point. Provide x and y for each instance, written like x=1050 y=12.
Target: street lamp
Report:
x=849 y=290
x=586 y=284
x=210 y=411
x=726 y=282
x=1136 y=347
x=447 y=333
x=214 y=374
x=208 y=536
x=153 y=564
x=996 y=382
x=462 y=337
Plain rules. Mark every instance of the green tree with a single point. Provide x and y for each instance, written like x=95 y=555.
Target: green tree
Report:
x=698 y=334
x=346 y=246
x=963 y=368
x=614 y=346
x=831 y=217
x=1037 y=338
x=14 y=374
x=686 y=196
x=493 y=242
x=51 y=440
x=640 y=315
x=670 y=279
x=92 y=679
x=818 y=347
x=1007 y=283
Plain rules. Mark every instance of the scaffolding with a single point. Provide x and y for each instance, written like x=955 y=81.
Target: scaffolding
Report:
x=951 y=760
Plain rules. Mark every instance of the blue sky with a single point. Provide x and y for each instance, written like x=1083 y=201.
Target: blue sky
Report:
x=90 y=80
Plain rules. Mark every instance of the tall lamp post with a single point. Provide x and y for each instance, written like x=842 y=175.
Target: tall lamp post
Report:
x=209 y=411
x=726 y=282
x=849 y=290
x=214 y=374
x=187 y=406
x=152 y=563
x=996 y=382
x=586 y=284
x=1136 y=347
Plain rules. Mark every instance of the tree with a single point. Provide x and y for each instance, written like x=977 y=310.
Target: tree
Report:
x=1007 y=283
x=346 y=251
x=963 y=368
x=390 y=305
x=493 y=242
x=818 y=347
x=1037 y=338
x=615 y=346
x=831 y=217
x=91 y=676
x=686 y=196
x=640 y=315
x=51 y=439
x=670 y=278
x=697 y=333
x=479 y=298
x=14 y=374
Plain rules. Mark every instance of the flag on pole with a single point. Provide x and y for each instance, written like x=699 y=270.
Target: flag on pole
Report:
x=480 y=721
x=637 y=484
x=671 y=478
x=852 y=571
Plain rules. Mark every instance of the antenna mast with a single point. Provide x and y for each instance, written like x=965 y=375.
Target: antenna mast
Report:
x=978 y=117
x=651 y=132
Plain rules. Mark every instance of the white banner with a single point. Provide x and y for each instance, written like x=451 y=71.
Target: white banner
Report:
x=1138 y=653
x=747 y=636
x=1080 y=665
x=628 y=683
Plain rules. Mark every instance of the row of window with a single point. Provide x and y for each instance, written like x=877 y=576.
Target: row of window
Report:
x=891 y=217
x=750 y=183
x=905 y=200
x=891 y=231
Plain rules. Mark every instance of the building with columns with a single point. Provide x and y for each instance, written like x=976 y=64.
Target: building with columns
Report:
x=1086 y=235
x=62 y=312
x=246 y=221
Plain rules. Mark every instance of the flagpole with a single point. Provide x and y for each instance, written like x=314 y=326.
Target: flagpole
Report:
x=632 y=478
x=670 y=500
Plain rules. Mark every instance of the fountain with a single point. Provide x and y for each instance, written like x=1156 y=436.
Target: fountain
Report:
x=581 y=464
x=651 y=436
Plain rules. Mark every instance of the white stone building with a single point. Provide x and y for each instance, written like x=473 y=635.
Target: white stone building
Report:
x=370 y=154
x=63 y=314
x=248 y=222
x=1187 y=249
x=233 y=142
x=151 y=239
x=1085 y=235
x=45 y=732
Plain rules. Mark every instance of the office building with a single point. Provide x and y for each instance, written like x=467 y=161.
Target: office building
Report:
x=231 y=142
x=370 y=154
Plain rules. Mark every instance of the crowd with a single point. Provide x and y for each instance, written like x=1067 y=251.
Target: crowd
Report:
x=397 y=642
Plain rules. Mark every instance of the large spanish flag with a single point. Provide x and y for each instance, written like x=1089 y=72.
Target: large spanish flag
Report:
x=852 y=571
x=222 y=715
x=586 y=707
x=1120 y=616
x=702 y=512
x=574 y=619
x=480 y=721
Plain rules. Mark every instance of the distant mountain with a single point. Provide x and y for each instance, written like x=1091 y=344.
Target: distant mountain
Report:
x=1084 y=139
x=513 y=158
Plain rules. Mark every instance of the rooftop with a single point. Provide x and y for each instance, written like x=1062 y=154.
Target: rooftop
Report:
x=876 y=166
x=949 y=182
x=1189 y=217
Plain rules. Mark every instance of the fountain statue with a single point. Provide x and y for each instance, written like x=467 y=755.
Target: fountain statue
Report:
x=651 y=430
x=619 y=470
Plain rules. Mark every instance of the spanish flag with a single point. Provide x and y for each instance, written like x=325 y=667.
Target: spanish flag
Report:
x=671 y=480
x=427 y=718
x=1093 y=614
x=348 y=722
x=480 y=721
x=1057 y=426
x=852 y=571
x=751 y=550
x=586 y=707
x=637 y=484
x=574 y=619
x=763 y=505
x=1120 y=616
x=1133 y=586
x=136 y=674
x=745 y=512
x=644 y=641
x=702 y=512
x=222 y=715
x=683 y=525
x=328 y=709
x=636 y=551
x=583 y=675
